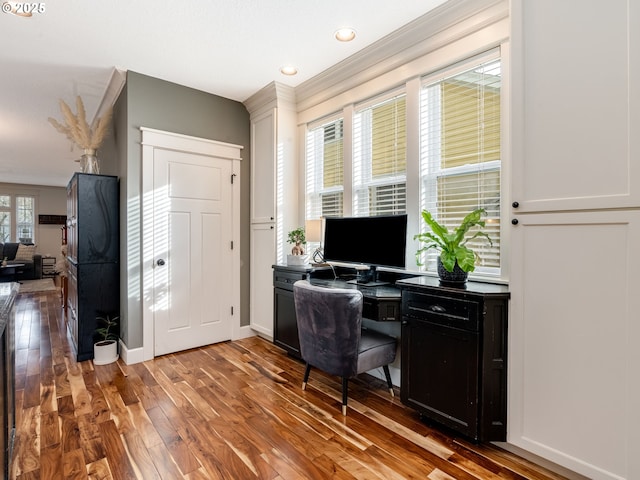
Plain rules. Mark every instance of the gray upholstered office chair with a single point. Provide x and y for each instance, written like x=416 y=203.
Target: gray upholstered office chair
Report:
x=332 y=338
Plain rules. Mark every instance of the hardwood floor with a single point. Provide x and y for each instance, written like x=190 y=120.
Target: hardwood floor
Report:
x=233 y=410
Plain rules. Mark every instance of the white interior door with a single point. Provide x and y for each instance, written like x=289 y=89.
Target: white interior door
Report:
x=192 y=243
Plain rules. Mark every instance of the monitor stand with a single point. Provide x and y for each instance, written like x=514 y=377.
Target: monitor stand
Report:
x=368 y=278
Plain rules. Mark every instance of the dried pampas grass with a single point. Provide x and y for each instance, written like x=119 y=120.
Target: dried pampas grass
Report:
x=76 y=128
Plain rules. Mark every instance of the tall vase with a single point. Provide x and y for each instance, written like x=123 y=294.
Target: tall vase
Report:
x=89 y=162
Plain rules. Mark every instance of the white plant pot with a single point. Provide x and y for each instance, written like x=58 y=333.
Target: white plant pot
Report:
x=105 y=352
x=297 y=260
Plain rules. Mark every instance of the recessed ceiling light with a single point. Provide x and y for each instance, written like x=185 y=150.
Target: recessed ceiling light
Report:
x=288 y=70
x=345 y=34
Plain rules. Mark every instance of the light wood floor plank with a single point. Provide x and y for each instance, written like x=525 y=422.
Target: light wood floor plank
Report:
x=233 y=410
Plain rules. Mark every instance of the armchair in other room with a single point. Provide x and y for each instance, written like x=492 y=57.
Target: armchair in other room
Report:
x=332 y=338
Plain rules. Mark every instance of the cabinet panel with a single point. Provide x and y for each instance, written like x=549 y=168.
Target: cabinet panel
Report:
x=285 y=333
x=564 y=126
x=263 y=249
x=440 y=374
x=573 y=350
x=285 y=323
x=263 y=167
x=93 y=217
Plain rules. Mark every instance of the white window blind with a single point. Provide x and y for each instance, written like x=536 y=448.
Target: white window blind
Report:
x=460 y=155
x=380 y=158
x=324 y=172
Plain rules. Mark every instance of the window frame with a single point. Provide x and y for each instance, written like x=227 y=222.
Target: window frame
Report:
x=314 y=168
x=363 y=180
x=431 y=170
x=411 y=83
x=12 y=210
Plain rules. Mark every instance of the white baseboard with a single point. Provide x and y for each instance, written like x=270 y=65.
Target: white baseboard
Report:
x=131 y=356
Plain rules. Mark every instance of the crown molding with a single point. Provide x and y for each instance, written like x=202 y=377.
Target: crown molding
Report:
x=273 y=95
x=445 y=24
x=115 y=85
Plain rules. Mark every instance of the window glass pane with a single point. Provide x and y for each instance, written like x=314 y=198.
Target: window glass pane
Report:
x=389 y=138
x=24 y=218
x=332 y=204
x=332 y=158
x=457 y=193
x=5 y=227
x=5 y=201
x=380 y=158
x=470 y=119
x=460 y=156
x=388 y=199
x=324 y=170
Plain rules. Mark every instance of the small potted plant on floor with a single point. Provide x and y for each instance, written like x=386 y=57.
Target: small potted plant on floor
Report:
x=298 y=239
x=105 y=350
x=456 y=260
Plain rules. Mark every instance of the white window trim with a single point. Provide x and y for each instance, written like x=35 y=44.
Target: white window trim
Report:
x=430 y=170
x=14 y=235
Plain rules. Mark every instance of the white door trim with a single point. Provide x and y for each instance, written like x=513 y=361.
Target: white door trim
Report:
x=156 y=139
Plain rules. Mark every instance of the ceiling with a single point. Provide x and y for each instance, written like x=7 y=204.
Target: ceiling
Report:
x=230 y=48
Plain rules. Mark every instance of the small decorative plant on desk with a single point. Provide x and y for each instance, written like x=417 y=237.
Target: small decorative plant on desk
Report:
x=298 y=239
x=456 y=260
x=105 y=350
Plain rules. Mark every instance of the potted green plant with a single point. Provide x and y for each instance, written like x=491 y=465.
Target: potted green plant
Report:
x=298 y=239
x=456 y=260
x=105 y=350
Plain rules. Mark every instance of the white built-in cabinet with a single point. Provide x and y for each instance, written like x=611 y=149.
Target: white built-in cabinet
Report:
x=263 y=167
x=274 y=208
x=574 y=325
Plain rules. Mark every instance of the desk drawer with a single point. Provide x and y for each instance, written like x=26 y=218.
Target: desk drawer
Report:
x=381 y=310
x=453 y=312
x=285 y=280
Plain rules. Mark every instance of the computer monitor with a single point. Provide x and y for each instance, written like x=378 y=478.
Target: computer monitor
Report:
x=376 y=241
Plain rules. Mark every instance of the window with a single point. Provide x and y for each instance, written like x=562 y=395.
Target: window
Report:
x=380 y=158
x=325 y=164
x=5 y=218
x=435 y=141
x=24 y=219
x=17 y=218
x=460 y=154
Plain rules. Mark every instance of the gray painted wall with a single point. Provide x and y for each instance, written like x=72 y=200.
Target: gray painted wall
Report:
x=149 y=102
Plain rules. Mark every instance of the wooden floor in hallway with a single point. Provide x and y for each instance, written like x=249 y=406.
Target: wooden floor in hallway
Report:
x=233 y=410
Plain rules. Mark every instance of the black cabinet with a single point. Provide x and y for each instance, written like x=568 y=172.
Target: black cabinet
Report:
x=285 y=326
x=8 y=294
x=93 y=256
x=454 y=355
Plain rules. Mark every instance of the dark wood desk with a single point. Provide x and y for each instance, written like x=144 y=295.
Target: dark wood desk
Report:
x=453 y=343
x=381 y=303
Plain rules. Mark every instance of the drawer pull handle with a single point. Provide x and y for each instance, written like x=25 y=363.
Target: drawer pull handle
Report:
x=437 y=308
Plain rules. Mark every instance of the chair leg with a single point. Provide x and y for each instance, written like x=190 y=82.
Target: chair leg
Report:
x=306 y=376
x=345 y=387
x=387 y=374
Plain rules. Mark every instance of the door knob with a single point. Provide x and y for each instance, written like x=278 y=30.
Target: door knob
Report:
x=160 y=262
